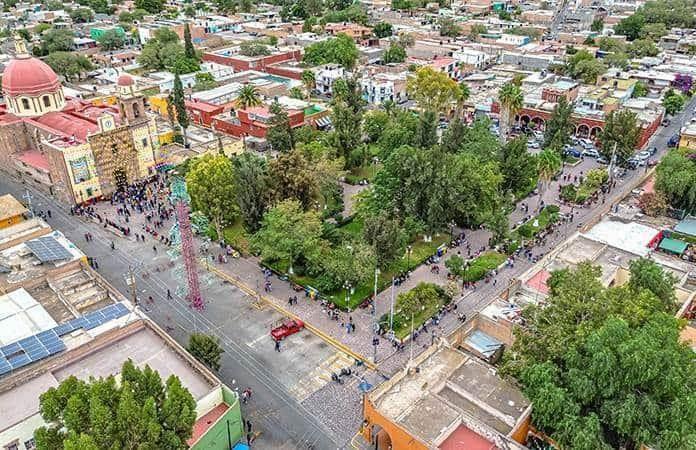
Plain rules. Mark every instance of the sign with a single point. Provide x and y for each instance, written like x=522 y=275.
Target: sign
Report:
x=80 y=170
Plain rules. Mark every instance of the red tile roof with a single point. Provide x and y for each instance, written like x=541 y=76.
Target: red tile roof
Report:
x=64 y=124
x=34 y=158
x=203 y=424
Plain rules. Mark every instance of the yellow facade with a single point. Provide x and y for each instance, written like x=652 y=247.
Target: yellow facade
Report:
x=158 y=104
x=82 y=172
x=688 y=141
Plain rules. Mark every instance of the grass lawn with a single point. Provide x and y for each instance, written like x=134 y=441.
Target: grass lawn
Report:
x=479 y=267
x=401 y=330
x=546 y=217
x=422 y=302
x=237 y=237
x=364 y=172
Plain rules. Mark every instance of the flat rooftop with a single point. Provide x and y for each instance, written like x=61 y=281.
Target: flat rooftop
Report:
x=448 y=388
x=10 y=207
x=100 y=357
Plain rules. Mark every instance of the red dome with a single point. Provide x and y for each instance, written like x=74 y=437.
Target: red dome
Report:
x=125 y=80
x=29 y=76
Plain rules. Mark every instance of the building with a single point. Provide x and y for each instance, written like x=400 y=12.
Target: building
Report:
x=58 y=318
x=353 y=30
x=11 y=211
x=326 y=76
x=381 y=87
x=231 y=57
x=448 y=399
x=70 y=148
x=471 y=59
x=687 y=137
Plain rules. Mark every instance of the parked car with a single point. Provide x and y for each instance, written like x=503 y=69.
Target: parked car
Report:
x=673 y=141
x=591 y=152
x=644 y=155
x=652 y=150
x=602 y=160
x=665 y=122
x=533 y=144
x=286 y=328
x=572 y=151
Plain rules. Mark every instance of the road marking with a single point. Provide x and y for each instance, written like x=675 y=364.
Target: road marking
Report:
x=257 y=340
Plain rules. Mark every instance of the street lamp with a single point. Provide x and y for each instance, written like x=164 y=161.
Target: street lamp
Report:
x=375 y=325
x=409 y=248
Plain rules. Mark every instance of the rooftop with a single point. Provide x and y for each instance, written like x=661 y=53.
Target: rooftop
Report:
x=10 y=207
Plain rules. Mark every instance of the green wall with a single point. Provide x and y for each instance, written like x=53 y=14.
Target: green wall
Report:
x=216 y=437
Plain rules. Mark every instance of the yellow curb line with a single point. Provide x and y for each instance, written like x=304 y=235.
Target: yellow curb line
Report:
x=330 y=340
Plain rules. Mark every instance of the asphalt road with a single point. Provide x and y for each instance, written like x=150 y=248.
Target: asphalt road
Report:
x=282 y=420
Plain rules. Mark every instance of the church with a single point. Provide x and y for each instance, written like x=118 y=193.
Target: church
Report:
x=68 y=147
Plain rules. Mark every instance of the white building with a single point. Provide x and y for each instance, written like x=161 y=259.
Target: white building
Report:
x=473 y=58
x=384 y=86
x=326 y=75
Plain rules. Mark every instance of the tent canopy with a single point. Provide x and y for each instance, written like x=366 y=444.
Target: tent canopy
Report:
x=687 y=226
x=673 y=245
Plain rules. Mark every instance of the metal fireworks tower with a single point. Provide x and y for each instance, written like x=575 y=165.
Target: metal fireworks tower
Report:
x=180 y=198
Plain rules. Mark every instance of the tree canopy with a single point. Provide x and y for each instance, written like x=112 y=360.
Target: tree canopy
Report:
x=206 y=349
x=210 y=182
x=138 y=412
x=676 y=179
x=339 y=50
x=621 y=129
x=432 y=90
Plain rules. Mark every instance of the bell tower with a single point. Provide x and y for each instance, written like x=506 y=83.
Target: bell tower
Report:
x=131 y=103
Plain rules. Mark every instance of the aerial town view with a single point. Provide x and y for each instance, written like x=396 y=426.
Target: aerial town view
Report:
x=348 y=224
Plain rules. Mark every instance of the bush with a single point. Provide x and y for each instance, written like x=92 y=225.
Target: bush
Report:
x=546 y=217
x=479 y=267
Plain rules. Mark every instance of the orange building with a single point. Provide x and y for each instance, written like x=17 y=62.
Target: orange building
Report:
x=447 y=400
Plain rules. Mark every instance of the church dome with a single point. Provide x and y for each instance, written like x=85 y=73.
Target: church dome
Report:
x=29 y=76
x=125 y=80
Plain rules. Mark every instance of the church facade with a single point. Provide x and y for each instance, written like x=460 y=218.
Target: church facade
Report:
x=72 y=149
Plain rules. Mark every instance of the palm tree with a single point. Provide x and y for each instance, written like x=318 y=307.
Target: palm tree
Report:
x=248 y=97
x=462 y=97
x=309 y=80
x=548 y=164
x=510 y=98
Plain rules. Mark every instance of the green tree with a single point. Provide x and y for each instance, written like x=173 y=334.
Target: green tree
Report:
x=477 y=30
x=189 y=50
x=111 y=40
x=69 y=65
x=559 y=128
x=647 y=275
x=617 y=59
x=548 y=165
x=642 y=47
x=151 y=6
x=339 y=50
x=204 y=81
x=57 y=40
x=296 y=92
x=654 y=31
x=309 y=81
x=374 y=124
x=125 y=17
x=279 y=135
x=254 y=48
x=456 y=265
x=511 y=99
x=432 y=90
x=179 y=102
x=288 y=234
x=292 y=177
x=426 y=133
x=206 y=349
x=210 y=182
x=137 y=412
x=621 y=130
x=386 y=237
x=350 y=264
x=673 y=102
x=631 y=26
x=639 y=90
x=248 y=97
x=406 y=40
x=252 y=188
x=676 y=179
x=449 y=28
x=518 y=167
x=394 y=54
x=164 y=51
x=463 y=95
x=383 y=29
x=597 y=25
x=582 y=65
x=190 y=11
x=81 y=15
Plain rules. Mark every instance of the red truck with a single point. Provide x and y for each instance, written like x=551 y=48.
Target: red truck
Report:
x=286 y=328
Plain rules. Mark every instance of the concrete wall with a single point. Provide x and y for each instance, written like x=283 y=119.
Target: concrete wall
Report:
x=228 y=428
x=399 y=438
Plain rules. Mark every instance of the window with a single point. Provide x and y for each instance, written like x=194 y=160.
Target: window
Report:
x=30 y=444
x=47 y=101
x=144 y=142
x=25 y=103
x=12 y=446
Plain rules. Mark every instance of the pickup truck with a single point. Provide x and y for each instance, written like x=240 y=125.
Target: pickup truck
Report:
x=286 y=328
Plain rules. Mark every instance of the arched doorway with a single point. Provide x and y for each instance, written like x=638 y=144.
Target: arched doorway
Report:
x=524 y=121
x=380 y=438
x=583 y=131
x=538 y=123
x=595 y=133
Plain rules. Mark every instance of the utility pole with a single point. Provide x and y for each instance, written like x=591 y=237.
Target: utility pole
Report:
x=612 y=162
x=391 y=311
x=375 y=325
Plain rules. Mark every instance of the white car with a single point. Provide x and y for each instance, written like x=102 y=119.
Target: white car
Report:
x=592 y=153
x=642 y=156
x=533 y=144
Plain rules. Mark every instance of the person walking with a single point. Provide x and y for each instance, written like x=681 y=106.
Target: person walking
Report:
x=113 y=246
x=169 y=294
x=277 y=346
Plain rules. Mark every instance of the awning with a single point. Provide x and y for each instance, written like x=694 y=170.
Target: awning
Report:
x=323 y=121
x=673 y=245
x=687 y=226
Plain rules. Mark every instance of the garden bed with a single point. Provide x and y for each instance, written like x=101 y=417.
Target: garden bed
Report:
x=547 y=217
x=591 y=184
x=420 y=251
x=479 y=267
x=414 y=308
